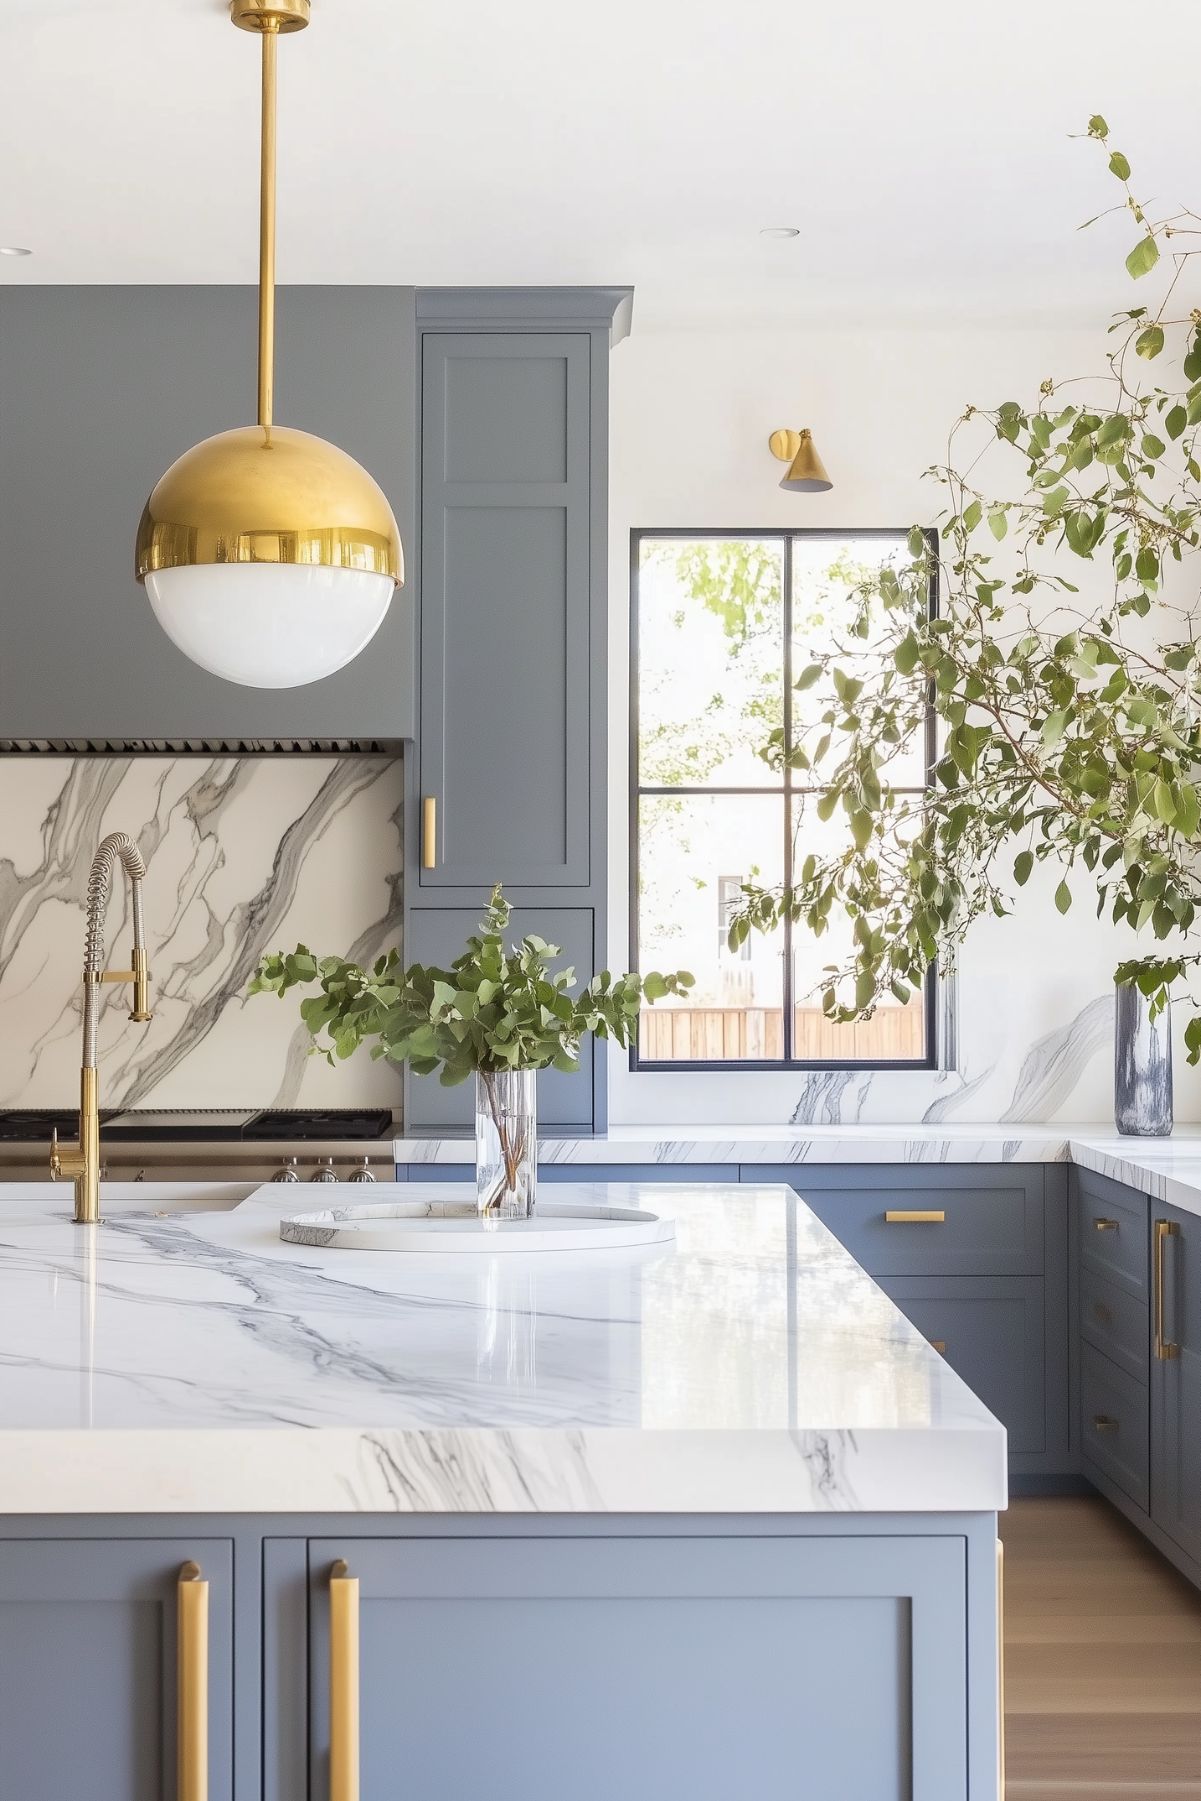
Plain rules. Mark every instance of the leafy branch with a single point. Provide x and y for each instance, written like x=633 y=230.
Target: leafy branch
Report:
x=1069 y=732
x=492 y=1010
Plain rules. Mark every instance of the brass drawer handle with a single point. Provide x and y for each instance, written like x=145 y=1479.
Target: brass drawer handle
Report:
x=429 y=832
x=192 y=1678
x=1165 y=1350
x=907 y=1216
x=1105 y=1225
x=343 y=1684
x=939 y=1345
x=1104 y=1422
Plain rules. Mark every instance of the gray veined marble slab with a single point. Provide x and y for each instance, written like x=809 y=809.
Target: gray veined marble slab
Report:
x=196 y=1363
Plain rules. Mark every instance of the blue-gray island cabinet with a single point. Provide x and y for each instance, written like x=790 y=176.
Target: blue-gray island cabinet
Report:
x=708 y=1519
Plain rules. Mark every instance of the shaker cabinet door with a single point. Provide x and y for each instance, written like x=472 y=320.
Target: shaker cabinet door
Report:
x=1176 y=1376
x=93 y=1700
x=505 y=609
x=641 y=1668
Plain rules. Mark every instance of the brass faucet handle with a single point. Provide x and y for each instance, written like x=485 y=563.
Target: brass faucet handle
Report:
x=67 y=1161
x=139 y=975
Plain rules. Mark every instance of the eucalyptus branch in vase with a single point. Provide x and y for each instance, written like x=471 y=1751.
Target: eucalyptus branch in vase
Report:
x=495 y=1013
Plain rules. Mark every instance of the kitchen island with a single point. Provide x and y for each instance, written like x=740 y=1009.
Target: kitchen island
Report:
x=705 y=1518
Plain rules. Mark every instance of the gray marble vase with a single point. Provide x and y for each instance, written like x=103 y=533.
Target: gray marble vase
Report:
x=1142 y=1071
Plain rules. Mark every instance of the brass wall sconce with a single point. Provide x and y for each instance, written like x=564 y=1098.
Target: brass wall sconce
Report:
x=806 y=472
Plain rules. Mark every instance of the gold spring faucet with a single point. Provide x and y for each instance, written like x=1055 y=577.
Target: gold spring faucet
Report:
x=81 y=1162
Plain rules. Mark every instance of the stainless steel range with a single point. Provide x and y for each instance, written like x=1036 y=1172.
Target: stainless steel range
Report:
x=285 y=1145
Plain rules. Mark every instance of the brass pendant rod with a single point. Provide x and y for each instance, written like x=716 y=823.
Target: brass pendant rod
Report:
x=270 y=34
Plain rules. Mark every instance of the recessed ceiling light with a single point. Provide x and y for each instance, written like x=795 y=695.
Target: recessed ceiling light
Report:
x=14 y=250
x=780 y=231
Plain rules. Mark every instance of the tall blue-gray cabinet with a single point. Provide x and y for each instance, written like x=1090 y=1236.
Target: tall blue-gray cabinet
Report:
x=1176 y=1377
x=509 y=778
x=1138 y=1299
x=101 y=388
x=95 y=1661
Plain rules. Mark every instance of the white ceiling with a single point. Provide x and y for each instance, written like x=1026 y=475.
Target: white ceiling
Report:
x=923 y=150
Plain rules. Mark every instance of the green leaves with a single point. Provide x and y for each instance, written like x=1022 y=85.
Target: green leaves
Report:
x=1119 y=166
x=1150 y=340
x=1063 y=897
x=491 y=1010
x=1143 y=257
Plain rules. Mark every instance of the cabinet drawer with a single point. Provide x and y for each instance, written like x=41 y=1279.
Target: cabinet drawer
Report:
x=1112 y=1228
x=991 y=1332
x=1114 y=1424
x=916 y=1222
x=1115 y=1321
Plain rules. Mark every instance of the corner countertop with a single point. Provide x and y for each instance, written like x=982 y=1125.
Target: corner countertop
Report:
x=1168 y=1169
x=176 y=1360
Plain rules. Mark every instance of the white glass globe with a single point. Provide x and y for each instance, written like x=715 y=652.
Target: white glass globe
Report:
x=269 y=625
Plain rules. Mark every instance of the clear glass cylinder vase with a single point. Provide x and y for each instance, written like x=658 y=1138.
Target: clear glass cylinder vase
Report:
x=1142 y=1088
x=506 y=1143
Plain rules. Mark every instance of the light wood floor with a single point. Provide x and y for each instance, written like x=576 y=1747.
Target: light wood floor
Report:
x=1103 y=1660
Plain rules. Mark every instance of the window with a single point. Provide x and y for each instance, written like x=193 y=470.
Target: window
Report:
x=719 y=623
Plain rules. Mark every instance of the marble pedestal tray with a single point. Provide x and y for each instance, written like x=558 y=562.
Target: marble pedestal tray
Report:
x=455 y=1227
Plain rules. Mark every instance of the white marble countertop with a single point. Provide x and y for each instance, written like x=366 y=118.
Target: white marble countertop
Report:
x=1153 y=1164
x=190 y=1361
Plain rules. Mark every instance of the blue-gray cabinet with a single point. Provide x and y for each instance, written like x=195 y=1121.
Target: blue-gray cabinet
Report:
x=508 y=779
x=89 y=1674
x=101 y=388
x=1176 y=1378
x=649 y=1666
x=590 y=1656
x=505 y=609
x=1138 y=1306
x=976 y=1256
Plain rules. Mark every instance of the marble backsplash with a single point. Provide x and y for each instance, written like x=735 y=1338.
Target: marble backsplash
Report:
x=243 y=854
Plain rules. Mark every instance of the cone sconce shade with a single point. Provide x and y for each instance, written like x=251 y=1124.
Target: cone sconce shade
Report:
x=806 y=472
x=268 y=555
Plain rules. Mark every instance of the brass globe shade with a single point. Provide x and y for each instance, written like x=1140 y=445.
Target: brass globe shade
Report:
x=269 y=556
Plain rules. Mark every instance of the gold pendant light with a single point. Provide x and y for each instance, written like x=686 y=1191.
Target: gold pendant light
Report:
x=269 y=555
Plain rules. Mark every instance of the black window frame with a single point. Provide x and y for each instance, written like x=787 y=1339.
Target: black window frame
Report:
x=637 y=790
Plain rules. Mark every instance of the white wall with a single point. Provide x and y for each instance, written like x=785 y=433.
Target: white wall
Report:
x=691 y=413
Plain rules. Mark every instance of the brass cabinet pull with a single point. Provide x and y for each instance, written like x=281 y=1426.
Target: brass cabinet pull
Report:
x=939 y=1345
x=429 y=832
x=1105 y=1225
x=343 y=1684
x=1104 y=1422
x=908 y=1216
x=192 y=1677
x=1165 y=1350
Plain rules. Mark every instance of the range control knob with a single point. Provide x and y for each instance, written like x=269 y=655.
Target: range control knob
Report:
x=325 y=1171
x=362 y=1173
x=286 y=1171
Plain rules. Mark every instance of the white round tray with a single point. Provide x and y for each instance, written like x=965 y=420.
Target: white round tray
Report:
x=451 y=1226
